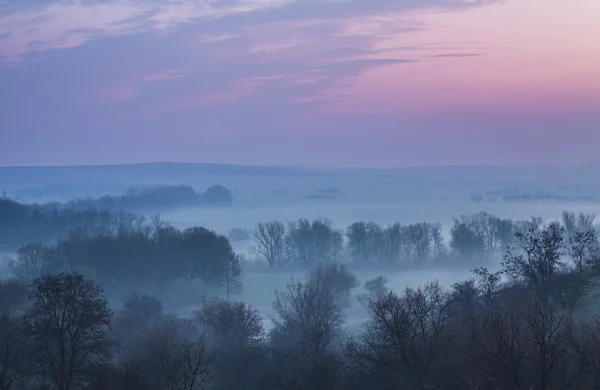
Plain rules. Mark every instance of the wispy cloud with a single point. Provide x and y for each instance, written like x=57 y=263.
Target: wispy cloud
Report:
x=168 y=74
x=100 y=63
x=455 y=55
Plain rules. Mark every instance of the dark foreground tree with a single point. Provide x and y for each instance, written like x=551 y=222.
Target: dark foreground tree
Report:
x=538 y=259
x=406 y=340
x=13 y=295
x=308 y=318
x=68 y=325
x=14 y=363
x=230 y=325
x=173 y=358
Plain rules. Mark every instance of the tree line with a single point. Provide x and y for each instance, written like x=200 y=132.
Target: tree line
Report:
x=510 y=329
x=474 y=238
x=129 y=249
x=43 y=223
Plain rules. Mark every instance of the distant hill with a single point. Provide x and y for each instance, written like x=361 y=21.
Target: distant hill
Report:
x=20 y=177
x=82 y=180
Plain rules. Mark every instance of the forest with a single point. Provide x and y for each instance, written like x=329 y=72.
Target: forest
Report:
x=514 y=323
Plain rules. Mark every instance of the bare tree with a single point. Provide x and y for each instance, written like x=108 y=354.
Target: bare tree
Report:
x=308 y=318
x=406 y=338
x=421 y=239
x=157 y=222
x=309 y=243
x=539 y=260
x=366 y=242
x=585 y=341
x=488 y=285
x=31 y=261
x=394 y=245
x=585 y=222
x=231 y=325
x=269 y=241
x=438 y=241
x=550 y=356
x=569 y=220
x=232 y=277
x=69 y=326
x=465 y=242
x=176 y=362
x=358 y=242
x=584 y=250
x=502 y=353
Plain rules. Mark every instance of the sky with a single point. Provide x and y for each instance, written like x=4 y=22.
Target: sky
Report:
x=300 y=82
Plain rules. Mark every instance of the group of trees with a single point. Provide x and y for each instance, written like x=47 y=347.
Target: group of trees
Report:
x=43 y=223
x=137 y=257
x=21 y=224
x=497 y=330
x=474 y=239
x=154 y=199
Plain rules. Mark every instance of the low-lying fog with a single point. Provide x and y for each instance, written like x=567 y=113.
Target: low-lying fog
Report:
x=342 y=198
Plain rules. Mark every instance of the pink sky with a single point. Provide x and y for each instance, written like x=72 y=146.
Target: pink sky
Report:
x=383 y=82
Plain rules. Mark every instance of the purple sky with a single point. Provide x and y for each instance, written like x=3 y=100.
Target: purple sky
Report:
x=301 y=82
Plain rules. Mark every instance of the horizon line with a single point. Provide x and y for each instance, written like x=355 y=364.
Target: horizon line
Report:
x=368 y=167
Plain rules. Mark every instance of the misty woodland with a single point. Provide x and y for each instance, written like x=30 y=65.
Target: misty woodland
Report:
x=517 y=323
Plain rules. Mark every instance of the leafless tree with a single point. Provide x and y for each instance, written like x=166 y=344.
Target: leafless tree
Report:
x=574 y=223
x=31 y=261
x=539 y=259
x=465 y=242
x=438 y=241
x=269 y=241
x=157 y=222
x=308 y=318
x=406 y=338
x=394 y=246
x=68 y=324
x=488 y=285
x=232 y=275
x=358 y=242
x=231 y=325
x=309 y=243
x=502 y=353
x=366 y=242
x=420 y=237
x=586 y=346
x=176 y=362
x=550 y=355
x=584 y=250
